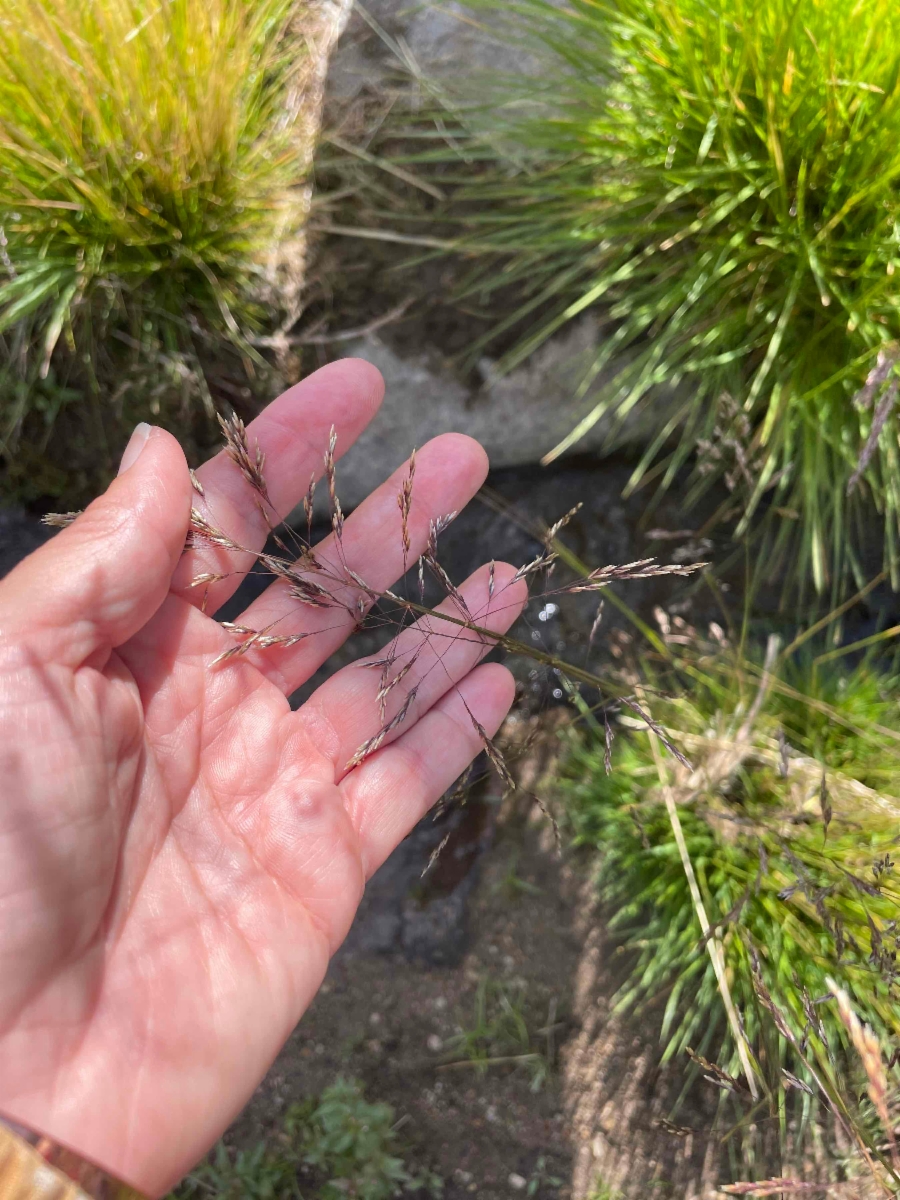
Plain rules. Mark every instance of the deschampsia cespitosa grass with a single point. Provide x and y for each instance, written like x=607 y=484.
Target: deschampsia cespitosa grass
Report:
x=717 y=185
x=786 y=822
x=151 y=159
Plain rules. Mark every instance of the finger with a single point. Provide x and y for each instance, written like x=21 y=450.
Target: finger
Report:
x=449 y=471
x=292 y=434
x=389 y=793
x=430 y=657
x=97 y=582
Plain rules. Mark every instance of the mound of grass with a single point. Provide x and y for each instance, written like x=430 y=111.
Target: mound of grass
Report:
x=719 y=182
x=789 y=817
x=150 y=160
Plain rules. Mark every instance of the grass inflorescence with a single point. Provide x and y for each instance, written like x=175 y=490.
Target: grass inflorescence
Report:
x=718 y=185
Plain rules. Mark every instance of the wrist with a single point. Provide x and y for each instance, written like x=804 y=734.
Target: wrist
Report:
x=33 y=1165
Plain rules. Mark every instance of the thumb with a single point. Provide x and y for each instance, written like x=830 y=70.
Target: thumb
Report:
x=98 y=581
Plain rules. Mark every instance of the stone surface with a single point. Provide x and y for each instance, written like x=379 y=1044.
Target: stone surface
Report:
x=518 y=418
x=20 y=533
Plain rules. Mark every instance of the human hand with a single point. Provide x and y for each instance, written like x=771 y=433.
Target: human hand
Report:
x=180 y=853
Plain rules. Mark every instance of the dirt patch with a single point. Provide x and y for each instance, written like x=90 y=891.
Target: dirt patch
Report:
x=388 y=1017
x=527 y=925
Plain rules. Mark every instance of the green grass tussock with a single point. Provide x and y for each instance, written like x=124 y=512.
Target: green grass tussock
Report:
x=720 y=183
x=790 y=822
x=149 y=162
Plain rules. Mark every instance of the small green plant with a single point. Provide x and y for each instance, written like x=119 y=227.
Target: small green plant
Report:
x=540 y=1177
x=602 y=1192
x=787 y=821
x=263 y=1173
x=340 y=1145
x=499 y=1034
x=353 y=1143
x=718 y=183
x=150 y=162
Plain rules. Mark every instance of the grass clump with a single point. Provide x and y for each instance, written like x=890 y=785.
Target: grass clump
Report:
x=789 y=820
x=337 y=1146
x=718 y=183
x=150 y=161
x=501 y=1034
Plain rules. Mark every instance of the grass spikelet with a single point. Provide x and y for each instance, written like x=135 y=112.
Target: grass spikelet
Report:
x=330 y=477
x=236 y=446
x=60 y=520
x=388 y=685
x=492 y=751
x=596 y=624
x=308 y=507
x=435 y=854
x=404 y=503
x=370 y=745
x=206 y=577
x=204 y=530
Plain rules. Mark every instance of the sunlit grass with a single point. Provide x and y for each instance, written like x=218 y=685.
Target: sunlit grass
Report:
x=718 y=183
x=789 y=818
x=149 y=161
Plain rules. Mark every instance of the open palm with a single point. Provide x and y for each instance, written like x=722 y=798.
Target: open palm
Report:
x=180 y=853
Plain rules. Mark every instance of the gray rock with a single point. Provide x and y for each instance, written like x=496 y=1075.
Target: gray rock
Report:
x=517 y=418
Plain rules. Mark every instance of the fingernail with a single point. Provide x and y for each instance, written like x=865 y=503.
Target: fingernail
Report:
x=136 y=443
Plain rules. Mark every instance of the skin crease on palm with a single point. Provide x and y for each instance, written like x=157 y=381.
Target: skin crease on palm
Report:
x=180 y=853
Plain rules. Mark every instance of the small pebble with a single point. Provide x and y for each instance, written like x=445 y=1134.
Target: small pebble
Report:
x=434 y=1043
x=517 y=1181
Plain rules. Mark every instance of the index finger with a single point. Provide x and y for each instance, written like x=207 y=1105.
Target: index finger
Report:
x=292 y=433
